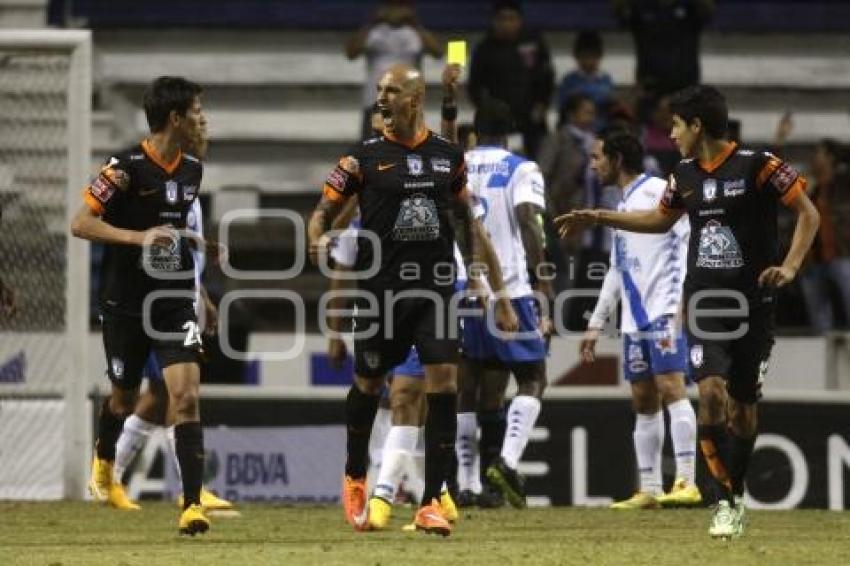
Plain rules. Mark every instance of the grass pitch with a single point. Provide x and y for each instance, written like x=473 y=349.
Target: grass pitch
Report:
x=66 y=534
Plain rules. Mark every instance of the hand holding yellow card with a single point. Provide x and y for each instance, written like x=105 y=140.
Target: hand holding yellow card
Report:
x=456 y=53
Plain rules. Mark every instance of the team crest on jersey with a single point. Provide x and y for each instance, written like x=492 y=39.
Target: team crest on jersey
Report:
x=417 y=220
x=189 y=192
x=117 y=367
x=718 y=248
x=696 y=355
x=414 y=164
x=171 y=192
x=709 y=190
x=441 y=165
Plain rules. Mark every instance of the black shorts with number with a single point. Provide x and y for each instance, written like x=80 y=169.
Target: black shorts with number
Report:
x=423 y=322
x=741 y=361
x=128 y=346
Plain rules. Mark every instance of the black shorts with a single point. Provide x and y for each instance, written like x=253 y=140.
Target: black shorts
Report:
x=415 y=321
x=741 y=361
x=128 y=346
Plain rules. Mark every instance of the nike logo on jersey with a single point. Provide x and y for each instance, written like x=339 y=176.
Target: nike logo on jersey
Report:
x=385 y=166
x=147 y=192
x=686 y=194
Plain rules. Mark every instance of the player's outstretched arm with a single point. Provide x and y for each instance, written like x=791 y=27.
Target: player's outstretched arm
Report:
x=654 y=221
x=320 y=222
x=808 y=221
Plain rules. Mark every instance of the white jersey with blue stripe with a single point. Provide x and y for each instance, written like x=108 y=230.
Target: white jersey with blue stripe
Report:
x=501 y=180
x=647 y=270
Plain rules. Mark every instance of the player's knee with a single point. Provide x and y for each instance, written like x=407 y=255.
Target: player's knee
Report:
x=122 y=403
x=531 y=379
x=712 y=403
x=743 y=418
x=441 y=378
x=671 y=387
x=645 y=397
x=186 y=401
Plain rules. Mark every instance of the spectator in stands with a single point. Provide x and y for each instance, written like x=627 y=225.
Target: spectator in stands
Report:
x=655 y=135
x=513 y=64
x=588 y=78
x=667 y=36
x=394 y=35
x=564 y=160
x=829 y=265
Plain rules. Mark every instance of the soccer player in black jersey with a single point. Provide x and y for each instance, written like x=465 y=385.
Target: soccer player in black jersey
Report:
x=138 y=206
x=411 y=186
x=730 y=195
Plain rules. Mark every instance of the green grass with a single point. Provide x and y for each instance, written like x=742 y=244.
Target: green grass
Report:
x=53 y=534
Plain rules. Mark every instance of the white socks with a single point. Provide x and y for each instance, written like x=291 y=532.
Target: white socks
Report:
x=398 y=450
x=133 y=437
x=380 y=430
x=415 y=478
x=466 y=446
x=648 y=439
x=683 y=431
x=172 y=451
x=522 y=414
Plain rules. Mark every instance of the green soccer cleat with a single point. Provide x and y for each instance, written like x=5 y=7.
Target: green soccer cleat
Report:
x=509 y=482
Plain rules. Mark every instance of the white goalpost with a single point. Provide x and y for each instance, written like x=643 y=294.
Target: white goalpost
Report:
x=45 y=152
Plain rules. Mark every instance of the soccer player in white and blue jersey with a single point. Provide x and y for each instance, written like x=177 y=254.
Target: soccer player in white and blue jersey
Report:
x=510 y=189
x=646 y=274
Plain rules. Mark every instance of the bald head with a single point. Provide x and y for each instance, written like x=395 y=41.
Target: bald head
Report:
x=408 y=79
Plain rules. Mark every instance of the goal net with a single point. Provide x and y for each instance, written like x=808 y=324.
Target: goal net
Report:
x=45 y=123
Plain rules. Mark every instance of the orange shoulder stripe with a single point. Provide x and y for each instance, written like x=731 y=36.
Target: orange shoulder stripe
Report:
x=332 y=194
x=95 y=205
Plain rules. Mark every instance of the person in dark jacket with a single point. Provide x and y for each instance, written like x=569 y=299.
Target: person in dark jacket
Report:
x=513 y=64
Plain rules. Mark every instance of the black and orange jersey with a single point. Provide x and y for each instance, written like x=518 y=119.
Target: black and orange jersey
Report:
x=136 y=190
x=405 y=196
x=732 y=207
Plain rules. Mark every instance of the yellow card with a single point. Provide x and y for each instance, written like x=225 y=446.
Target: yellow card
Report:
x=456 y=53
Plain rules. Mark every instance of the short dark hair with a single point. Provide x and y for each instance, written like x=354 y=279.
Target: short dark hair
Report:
x=703 y=102
x=166 y=94
x=588 y=41
x=513 y=5
x=619 y=142
x=570 y=105
x=493 y=118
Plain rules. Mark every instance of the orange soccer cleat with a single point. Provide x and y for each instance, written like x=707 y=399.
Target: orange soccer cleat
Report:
x=354 y=502
x=431 y=519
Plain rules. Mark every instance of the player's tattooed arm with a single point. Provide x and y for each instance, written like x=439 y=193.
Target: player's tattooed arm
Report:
x=320 y=222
